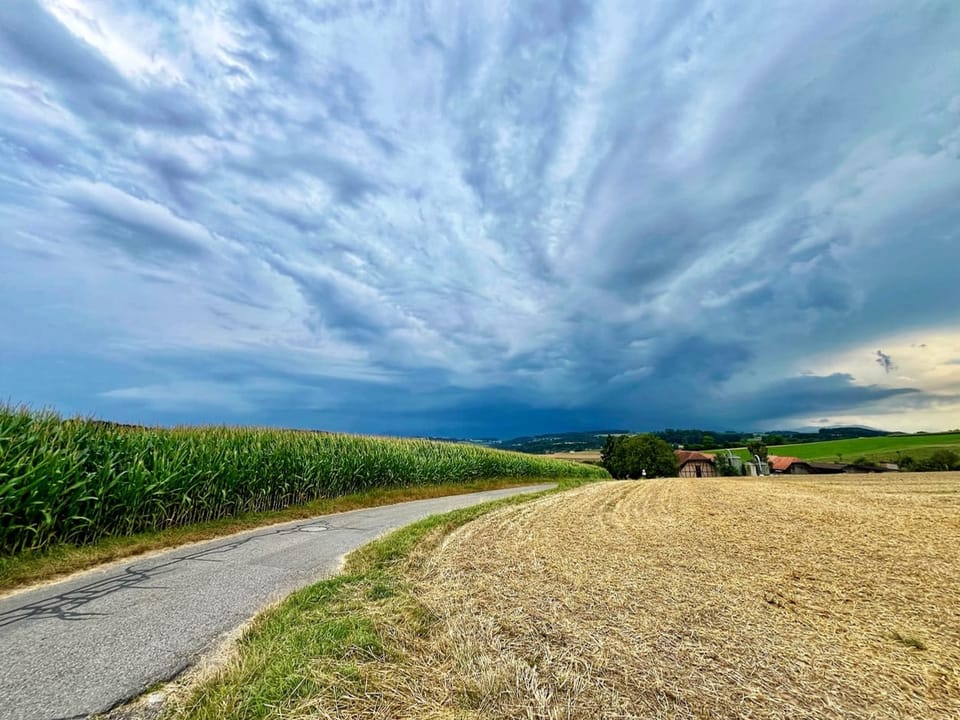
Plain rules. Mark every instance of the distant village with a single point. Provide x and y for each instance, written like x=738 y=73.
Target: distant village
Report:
x=706 y=453
x=693 y=463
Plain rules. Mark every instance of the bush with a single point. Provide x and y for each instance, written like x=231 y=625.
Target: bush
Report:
x=938 y=461
x=943 y=460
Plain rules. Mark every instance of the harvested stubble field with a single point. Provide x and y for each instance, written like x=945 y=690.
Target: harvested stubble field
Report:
x=676 y=598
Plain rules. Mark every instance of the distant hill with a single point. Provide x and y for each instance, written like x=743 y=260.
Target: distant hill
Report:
x=556 y=442
x=689 y=439
x=905 y=450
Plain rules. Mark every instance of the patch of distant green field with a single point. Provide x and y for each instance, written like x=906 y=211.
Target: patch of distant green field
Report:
x=876 y=449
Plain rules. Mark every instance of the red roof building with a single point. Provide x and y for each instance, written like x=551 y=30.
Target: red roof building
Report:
x=782 y=465
x=695 y=464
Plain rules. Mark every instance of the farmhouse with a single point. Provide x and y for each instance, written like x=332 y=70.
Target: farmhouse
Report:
x=695 y=464
x=783 y=465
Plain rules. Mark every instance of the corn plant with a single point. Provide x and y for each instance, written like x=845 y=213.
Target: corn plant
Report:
x=76 y=481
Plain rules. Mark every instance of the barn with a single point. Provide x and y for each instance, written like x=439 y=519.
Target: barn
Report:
x=695 y=464
x=782 y=465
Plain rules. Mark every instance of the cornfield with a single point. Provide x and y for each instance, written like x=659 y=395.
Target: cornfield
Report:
x=75 y=481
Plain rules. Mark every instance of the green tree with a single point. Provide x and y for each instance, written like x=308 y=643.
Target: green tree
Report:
x=635 y=455
x=609 y=457
x=757 y=447
x=774 y=439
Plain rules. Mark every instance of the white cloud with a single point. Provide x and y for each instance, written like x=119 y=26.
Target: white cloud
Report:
x=186 y=394
x=156 y=222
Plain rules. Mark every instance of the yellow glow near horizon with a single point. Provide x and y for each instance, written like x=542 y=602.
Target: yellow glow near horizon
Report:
x=928 y=360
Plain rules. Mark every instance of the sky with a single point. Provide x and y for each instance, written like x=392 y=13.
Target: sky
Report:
x=482 y=219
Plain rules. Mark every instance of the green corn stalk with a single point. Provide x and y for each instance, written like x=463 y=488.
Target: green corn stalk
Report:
x=76 y=481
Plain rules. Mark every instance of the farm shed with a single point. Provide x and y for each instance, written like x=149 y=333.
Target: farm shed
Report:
x=862 y=468
x=825 y=468
x=783 y=465
x=695 y=464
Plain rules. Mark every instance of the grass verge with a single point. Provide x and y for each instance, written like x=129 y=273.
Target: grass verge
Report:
x=322 y=640
x=31 y=567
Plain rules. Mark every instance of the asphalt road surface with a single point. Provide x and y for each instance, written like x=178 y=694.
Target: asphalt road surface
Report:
x=90 y=642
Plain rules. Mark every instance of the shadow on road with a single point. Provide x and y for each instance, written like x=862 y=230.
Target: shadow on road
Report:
x=69 y=604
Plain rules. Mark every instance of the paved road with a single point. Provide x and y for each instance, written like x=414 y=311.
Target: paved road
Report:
x=84 y=645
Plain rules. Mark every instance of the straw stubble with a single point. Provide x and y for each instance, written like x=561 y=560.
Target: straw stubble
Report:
x=781 y=598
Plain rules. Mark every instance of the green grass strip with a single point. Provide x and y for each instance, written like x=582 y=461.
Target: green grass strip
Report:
x=314 y=642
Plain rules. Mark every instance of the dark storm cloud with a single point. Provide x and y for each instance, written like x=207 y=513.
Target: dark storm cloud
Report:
x=481 y=218
x=812 y=394
x=701 y=361
x=657 y=404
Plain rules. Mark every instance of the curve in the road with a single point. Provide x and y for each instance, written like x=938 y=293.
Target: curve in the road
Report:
x=88 y=643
